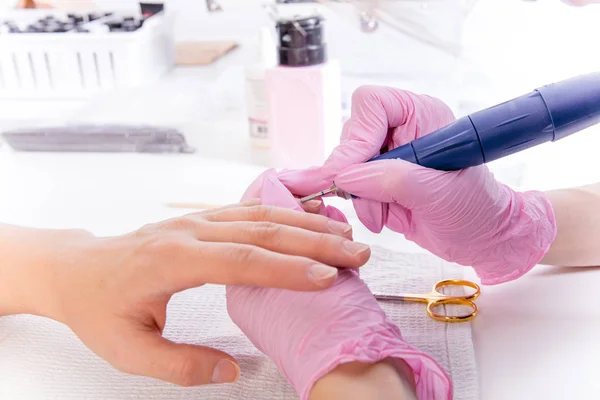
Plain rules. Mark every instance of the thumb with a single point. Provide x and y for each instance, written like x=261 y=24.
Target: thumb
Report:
x=385 y=181
x=383 y=116
x=181 y=364
x=374 y=110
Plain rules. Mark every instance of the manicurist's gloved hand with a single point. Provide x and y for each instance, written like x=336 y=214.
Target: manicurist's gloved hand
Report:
x=467 y=216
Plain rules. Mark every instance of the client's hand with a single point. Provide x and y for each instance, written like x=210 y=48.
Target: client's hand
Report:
x=113 y=292
x=467 y=216
x=308 y=335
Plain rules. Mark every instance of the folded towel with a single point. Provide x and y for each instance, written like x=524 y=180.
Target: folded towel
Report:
x=41 y=359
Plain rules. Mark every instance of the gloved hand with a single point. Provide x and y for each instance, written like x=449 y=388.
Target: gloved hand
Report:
x=308 y=335
x=465 y=216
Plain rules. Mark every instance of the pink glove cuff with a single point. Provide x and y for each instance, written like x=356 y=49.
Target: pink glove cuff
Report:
x=526 y=234
x=432 y=382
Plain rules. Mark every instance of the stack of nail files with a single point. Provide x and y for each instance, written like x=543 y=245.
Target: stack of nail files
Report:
x=98 y=138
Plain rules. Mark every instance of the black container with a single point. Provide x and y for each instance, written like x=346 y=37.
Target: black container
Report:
x=301 y=42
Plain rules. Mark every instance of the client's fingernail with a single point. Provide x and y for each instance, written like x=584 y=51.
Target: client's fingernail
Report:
x=226 y=371
x=339 y=227
x=312 y=205
x=355 y=248
x=319 y=273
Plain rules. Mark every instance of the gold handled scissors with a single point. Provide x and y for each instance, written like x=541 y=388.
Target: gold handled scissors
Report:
x=437 y=298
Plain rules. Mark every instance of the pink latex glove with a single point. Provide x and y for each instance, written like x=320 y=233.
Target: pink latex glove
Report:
x=581 y=3
x=308 y=335
x=465 y=216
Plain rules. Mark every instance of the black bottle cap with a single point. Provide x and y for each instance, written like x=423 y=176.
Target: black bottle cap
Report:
x=301 y=42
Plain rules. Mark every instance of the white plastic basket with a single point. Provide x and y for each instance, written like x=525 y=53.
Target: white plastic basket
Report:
x=76 y=65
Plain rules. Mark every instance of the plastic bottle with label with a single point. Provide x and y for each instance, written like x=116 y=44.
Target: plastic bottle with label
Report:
x=256 y=92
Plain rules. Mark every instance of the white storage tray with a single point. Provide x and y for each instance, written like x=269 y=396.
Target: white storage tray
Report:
x=76 y=65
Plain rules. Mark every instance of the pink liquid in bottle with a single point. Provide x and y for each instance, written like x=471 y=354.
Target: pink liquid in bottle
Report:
x=304 y=96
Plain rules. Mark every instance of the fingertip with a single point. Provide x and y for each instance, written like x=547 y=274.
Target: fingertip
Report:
x=322 y=275
x=363 y=257
x=181 y=364
x=312 y=206
x=226 y=371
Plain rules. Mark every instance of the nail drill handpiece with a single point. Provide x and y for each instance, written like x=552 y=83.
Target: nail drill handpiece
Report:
x=547 y=114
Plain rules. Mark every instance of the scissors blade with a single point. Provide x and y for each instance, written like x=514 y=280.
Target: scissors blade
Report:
x=389 y=297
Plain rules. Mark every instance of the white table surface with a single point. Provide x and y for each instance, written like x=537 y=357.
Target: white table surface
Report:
x=536 y=338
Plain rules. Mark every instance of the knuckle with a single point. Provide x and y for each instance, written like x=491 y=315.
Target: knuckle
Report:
x=184 y=372
x=364 y=93
x=322 y=240
x=389 y=182
x=259 y=213
x=243 y=258
x=146 y=230
x=185 y=223
x=244 y=255
x=200 y=215
x=267 y=232
x=161 y=245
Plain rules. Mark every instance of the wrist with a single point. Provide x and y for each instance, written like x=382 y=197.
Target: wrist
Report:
x=388 y=379
x=35 y=267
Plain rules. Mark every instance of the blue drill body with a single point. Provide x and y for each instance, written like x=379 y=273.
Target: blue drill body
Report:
x=547 y=114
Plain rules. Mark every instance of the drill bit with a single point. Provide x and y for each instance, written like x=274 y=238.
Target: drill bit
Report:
x=322 y=193
x=334 y=189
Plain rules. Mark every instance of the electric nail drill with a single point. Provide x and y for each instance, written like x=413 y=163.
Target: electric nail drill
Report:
x=547 y=114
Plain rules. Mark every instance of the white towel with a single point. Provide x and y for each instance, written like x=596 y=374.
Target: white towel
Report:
x=41 y=359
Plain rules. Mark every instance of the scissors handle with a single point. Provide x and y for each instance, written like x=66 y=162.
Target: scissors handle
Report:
x=452 y=318
x=455 y=300
x=456 y=282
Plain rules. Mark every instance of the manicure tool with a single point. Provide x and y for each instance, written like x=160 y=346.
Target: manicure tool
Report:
x=98 y=138
x=547 y=114
x=437 y=299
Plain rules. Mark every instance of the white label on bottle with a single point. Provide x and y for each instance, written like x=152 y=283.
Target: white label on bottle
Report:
x=256 y=101
x=258 y=129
